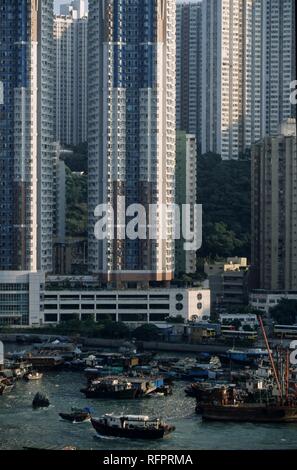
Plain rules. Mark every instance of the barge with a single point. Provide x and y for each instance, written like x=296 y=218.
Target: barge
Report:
x=249 y=413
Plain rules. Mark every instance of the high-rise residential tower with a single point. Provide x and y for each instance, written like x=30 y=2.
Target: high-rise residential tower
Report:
x=186 y=193
x=248 y=64
x=131 y=132
x=70 y=38
x=226 y=75
x=26 y=134
x=80 y=6
x=279 y=63
x=274 y=210
x=189 y=67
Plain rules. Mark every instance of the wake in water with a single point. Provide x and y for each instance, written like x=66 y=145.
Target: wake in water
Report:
x=107 y=438
x=75 y=422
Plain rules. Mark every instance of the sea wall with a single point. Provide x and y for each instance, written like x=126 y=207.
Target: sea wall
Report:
x=115 y=344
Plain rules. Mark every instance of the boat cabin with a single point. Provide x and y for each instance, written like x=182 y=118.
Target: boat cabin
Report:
x=131 y=421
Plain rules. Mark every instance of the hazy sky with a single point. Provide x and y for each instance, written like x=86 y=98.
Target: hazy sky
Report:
x=59 y=2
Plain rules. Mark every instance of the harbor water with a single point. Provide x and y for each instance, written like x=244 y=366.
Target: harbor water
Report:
x=21 y=426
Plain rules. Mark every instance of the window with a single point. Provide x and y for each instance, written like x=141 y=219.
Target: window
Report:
x=50 y=318
x=133 y=307
x=68 y=317
x=106 y=307
x=158 y=317
x=130 y=317
x=105 y=317
x=69 y=307
x=159 y=306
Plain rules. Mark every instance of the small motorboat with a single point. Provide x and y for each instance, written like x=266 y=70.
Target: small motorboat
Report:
x=33 y=375
x=77 y=416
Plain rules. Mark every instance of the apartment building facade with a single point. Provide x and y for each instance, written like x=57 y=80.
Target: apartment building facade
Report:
x=274 y=210
x=26 y=135
x=70 y=38
x=248 y=64
x=186 y=193
x=189 y=68
x=131 y=87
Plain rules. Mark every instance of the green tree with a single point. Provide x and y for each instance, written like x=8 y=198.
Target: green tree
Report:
x=224 y=190
x=247 y=328
x=220 y=242
x=147 y=332
x=236 y=323
x=179 y=319
x=113 y=330
x=76 y=204
x=78 y=161
x=247 y=309
x=285 y=313
x=69 y=327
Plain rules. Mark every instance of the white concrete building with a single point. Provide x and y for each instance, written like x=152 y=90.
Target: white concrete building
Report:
x=70 y=38
x=130 y=306
x=131 y=87
x=265 y=300
x=28 y=299
x=21 y=298
x=245 y=319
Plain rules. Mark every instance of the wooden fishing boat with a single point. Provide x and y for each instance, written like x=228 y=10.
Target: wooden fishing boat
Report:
x=230 y=404
x=130 y=426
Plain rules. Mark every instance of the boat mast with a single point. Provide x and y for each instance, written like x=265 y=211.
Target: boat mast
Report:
x=271 y=358
x=287 y=374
